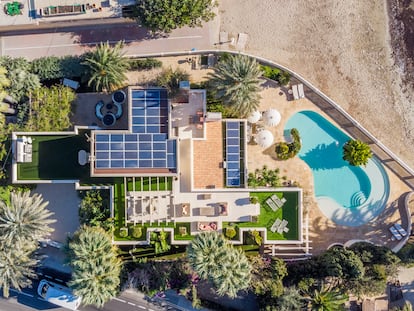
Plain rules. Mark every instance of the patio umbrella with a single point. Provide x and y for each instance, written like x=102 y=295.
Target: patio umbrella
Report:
x=254 y=116
x=264 y=138
x=271 y=117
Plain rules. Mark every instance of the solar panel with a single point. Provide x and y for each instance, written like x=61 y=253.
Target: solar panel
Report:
x=233 y=157
x=148 y=145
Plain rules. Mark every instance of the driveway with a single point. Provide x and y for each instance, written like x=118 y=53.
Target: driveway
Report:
x=64 y=203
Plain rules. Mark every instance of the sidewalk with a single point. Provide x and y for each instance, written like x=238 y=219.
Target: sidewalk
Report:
x=33 y=11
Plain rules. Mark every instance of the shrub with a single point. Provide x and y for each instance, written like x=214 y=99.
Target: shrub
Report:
x=283 y=77
x=254 y=200
x=144 y=64
x=285 y=150
x=136 y=232
x=170 y=79
x=230 y=232
x=47 y=68
x=257 y=238
x=123 y=232
x=356 y=152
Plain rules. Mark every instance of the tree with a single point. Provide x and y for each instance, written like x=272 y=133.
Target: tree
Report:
x=291 y=300
x=47 y=68
x=267 y=276
x=341 y=263
x=170 y=79
x=236 y=81
x=50 y=109
x=356 y=152
x=167 y=15
x=94 y=209
x=22 y=81
x=16 y=267
x=96 y=267
x=106 y=66
x=327 y=300
x=215 y=260
x=25 y=220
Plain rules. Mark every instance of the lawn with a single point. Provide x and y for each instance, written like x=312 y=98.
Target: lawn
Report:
x=178 y=235
x=288 y=211
x=55 y=158
x=161 y=183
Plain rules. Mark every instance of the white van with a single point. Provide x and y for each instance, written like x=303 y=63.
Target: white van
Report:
x=58 y=295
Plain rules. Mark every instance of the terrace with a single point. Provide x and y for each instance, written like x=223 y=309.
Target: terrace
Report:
x=54 y=157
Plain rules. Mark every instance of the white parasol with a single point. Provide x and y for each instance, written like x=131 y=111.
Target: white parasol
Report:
x=254 y=117
x=264 y=138
x=271 y=117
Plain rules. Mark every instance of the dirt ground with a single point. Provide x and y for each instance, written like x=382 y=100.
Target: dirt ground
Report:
x=343 y=48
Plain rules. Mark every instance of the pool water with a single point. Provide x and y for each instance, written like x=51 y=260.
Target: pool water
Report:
x=346 y=194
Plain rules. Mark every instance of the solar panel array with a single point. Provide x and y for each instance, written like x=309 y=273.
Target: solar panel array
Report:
x=233 y=158
x=148 y=145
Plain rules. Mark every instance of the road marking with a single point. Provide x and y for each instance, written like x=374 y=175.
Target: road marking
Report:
x=90 y=43
x=120 y=300
x=59 y=280
x=132 y=304
x=177 y=38
x=141 y=307
x=48 y=276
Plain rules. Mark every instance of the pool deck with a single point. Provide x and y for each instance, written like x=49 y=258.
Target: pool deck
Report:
x=322 y=231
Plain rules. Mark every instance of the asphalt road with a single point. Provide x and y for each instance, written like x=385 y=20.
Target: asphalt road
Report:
x=28 y=300
x=76 y=39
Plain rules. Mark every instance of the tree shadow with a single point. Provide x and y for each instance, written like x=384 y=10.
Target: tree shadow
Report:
x=317 y=157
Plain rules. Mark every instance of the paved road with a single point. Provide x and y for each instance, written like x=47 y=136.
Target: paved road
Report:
x=28 y=300
x=77 y=39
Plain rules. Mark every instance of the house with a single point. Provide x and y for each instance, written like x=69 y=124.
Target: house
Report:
x=172 y=169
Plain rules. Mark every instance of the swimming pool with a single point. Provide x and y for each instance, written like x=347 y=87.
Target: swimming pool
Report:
x=348 y=195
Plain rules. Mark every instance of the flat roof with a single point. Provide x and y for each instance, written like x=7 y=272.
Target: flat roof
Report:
x=146 y=147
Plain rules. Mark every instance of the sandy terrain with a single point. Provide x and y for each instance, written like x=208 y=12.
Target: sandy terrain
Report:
x=343 y=48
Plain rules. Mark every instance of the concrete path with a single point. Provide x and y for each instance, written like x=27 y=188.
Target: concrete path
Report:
x=64 y=202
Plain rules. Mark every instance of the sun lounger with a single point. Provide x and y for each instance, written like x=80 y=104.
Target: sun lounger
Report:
x=278 y=202
x=275 y=225
x=272 y=204
x=395 y=233
x=400 y=229
x=295 y=92
x=282 y=226
x=300 y=90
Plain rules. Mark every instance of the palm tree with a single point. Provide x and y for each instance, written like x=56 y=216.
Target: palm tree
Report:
x=16 y=268
x=327 y=300
x=356 y=152
x=213 y=259
x=25 y=220
x=291 y=300
x=107 y=66
x=236 y=81
x=96 y=267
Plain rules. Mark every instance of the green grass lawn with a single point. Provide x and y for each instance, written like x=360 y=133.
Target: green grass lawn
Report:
x=178 y=235
x=288 y=211
x=146 y=184
x=55 y=158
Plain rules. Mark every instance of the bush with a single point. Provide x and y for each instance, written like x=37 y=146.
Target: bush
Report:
x=123 y=232
x=47 y=68
x=285 y=150
x=254 y=200
x=144 y=64
x=136 y=232
x=283 y=77
x=230 y=232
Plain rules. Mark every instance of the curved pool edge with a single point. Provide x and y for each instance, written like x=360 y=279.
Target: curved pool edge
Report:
x=370 y=209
